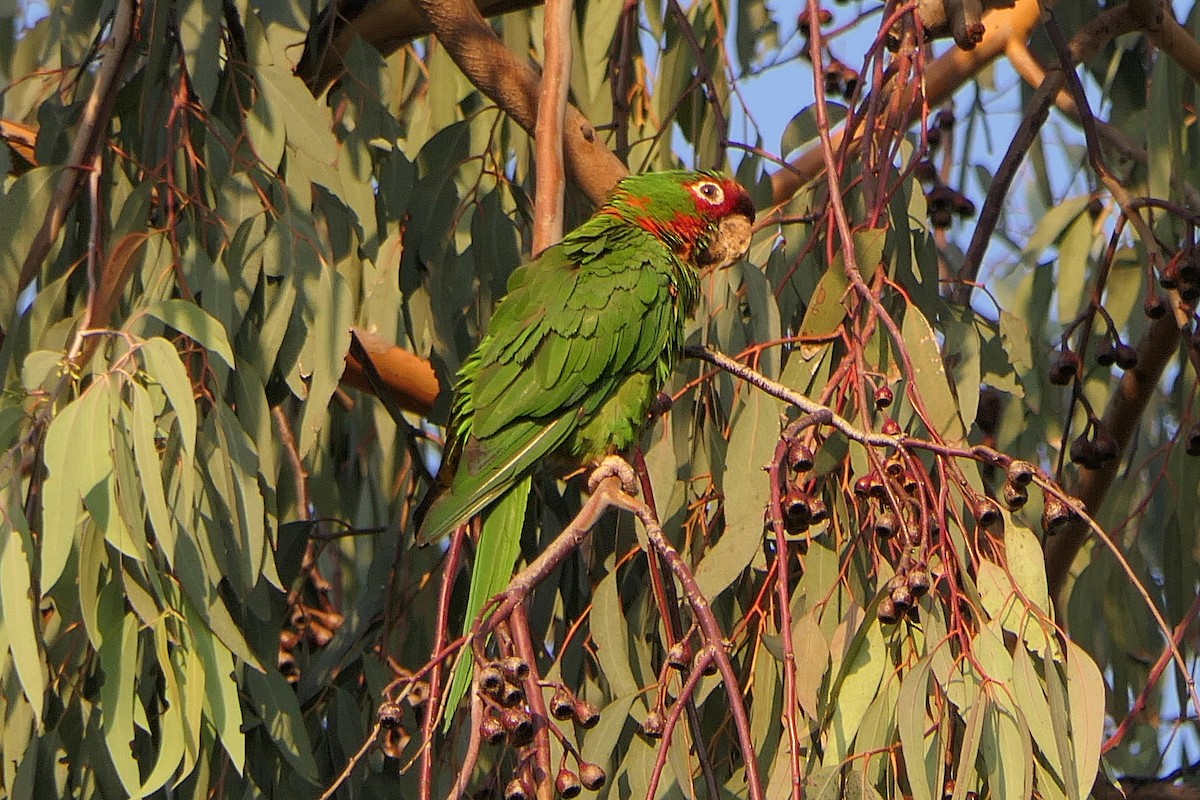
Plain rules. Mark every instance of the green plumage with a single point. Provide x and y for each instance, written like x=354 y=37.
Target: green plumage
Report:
x=583 y=341
x=586 y=336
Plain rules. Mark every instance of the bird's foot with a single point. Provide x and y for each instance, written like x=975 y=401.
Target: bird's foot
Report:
x=610 y=466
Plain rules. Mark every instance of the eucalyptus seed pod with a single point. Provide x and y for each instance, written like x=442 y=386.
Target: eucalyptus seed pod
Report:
x=512 y=694
x=1055 y=515
x=390 y=715
x=519 y=725
x=1127 y=356
x=592 y=776
x=679 y=656
x=567 y=784
x=1015 y=496
x=817 y=510
x=891 y=427
x=902 y=597
x=1193 y=441
x=653 y=725
x=886 y=524
x=986 y=512
x=1064 y=367
x=1020 y=473
x=796 y=511
x=1106 y=445
x=1083 y=452
x=862 y=487
x=919 y=581
x=1155 y=307
x=887 y=612
x=514 y=668
x=884 y=397
x=517 y=789
x=799 y=457
x=875 y=487
x=586 y=714
x=1106 y=353
x=491 y=730
x=894 y=466
x=562 y=704
x=491 y=681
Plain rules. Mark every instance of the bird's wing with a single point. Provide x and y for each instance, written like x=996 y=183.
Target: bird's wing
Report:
x=570 y=329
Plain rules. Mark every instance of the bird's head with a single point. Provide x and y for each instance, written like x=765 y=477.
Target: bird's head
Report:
x=704 y=216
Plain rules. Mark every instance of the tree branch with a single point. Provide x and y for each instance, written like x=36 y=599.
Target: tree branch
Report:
x=514 y=86
x=93 y=124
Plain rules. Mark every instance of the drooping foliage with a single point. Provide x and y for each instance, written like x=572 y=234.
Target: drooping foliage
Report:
x=209 y=584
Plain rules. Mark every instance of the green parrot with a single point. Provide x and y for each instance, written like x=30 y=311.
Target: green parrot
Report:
x=584 y=340
x=577 y=349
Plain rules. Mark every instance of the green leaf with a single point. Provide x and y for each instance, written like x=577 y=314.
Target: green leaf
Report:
x=610 y=631
x=754 y=432
x=19 y=610
x=911 y=721
x=78 y=456
x=139 y=422
x=929 y=375
x=119 y=658
x=194 y=322
x=222 y=707
x=856 y=683
x=1085 y=697
x=803 y=129
x=273 y=700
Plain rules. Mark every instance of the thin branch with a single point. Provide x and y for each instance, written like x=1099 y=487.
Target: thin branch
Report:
x=93 y=124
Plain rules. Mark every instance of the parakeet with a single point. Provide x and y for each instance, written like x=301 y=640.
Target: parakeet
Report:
x=583 y=341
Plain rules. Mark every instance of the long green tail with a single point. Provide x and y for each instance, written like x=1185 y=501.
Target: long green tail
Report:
x=499 y=546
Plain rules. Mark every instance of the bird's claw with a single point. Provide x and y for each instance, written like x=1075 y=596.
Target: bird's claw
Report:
x=610 y=466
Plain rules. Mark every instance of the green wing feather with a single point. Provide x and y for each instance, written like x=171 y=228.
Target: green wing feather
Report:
x=578 y=323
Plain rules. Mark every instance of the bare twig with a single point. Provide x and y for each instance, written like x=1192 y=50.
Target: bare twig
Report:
x=93 y=123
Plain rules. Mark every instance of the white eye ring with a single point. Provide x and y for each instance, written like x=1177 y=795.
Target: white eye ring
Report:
x=710 y=192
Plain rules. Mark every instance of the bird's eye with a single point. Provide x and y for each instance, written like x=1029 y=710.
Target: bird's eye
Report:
x=711 y=192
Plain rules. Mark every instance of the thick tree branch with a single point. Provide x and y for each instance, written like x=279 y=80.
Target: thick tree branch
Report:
x=552 y=112
x=514 y=86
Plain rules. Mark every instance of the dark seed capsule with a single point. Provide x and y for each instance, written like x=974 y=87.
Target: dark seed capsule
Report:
x=862 y=487
x=390 y=715
x=514 y=668
x=1106 y=353
x=1015 y=496
x=894 y=466
x=491 y=730
x=710 y=668
x=1127 y=357
x=817 y=511
x=891 y=427
x=1064 y=367
x=517 y=789
x=1055 y=515
x=902 y=597
x=562 y=704
x=796 y=510
x=876 y=488
x=918 y=582
x=886 y=525
x=884 y=397
x=653 y=725
x=592 y=776
x=1083 y=452
x=1106 y=446
x=986 y=512
x=518 y=724
x=512 y=694
x=800 y=457
x=586 y=714
x=1189 y=292
x=567 y=784
x=1155 y=307
x=491 y=680
x=679 y=656
x=1193 y=441
x=887 y=612
x=1021 y=473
